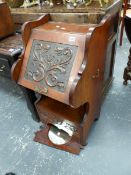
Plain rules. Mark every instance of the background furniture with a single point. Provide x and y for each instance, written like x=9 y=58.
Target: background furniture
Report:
x=72 y=91
x=15 y=3
x=10 y=41
x=10 y=49
x=127 y=71
x=126 y=5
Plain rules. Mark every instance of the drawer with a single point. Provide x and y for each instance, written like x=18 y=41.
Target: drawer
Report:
x=4 y=67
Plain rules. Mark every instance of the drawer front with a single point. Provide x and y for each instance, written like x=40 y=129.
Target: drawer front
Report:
x=4 y=67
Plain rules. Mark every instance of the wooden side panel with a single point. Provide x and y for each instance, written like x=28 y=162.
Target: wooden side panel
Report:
x=6 y=21
x=109 y=62
x=88 y=85
x=111 y=49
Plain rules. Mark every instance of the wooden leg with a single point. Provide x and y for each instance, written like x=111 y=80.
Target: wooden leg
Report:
x=127 y=71
x=93 y=113
x=122 y=22
x=121 y=31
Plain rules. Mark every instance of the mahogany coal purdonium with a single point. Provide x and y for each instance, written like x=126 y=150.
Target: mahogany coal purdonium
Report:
x=65 y=64
x=127 y=71
x=92 y=14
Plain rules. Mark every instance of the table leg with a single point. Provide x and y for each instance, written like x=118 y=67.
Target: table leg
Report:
x=127 y=71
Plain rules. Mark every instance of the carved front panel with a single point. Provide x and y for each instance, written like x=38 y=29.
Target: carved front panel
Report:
x=50 y=64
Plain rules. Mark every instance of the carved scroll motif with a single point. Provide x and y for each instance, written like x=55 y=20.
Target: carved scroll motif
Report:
x=50 y=64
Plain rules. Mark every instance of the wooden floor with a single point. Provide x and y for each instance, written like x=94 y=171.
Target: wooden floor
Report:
x=109 y=144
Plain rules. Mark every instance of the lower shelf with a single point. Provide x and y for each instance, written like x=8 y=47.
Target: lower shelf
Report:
x=54 y=109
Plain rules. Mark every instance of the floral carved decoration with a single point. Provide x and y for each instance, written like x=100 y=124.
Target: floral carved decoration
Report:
x=50 y=64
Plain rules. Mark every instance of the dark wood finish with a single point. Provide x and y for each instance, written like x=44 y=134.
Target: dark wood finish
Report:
x=126 y=6
x=10 y=49
x=94 y=82
x=128 y=26
x=10 y=42
x=79 y=101
x=127 y=71
x=6 y=21
x=11 y=45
